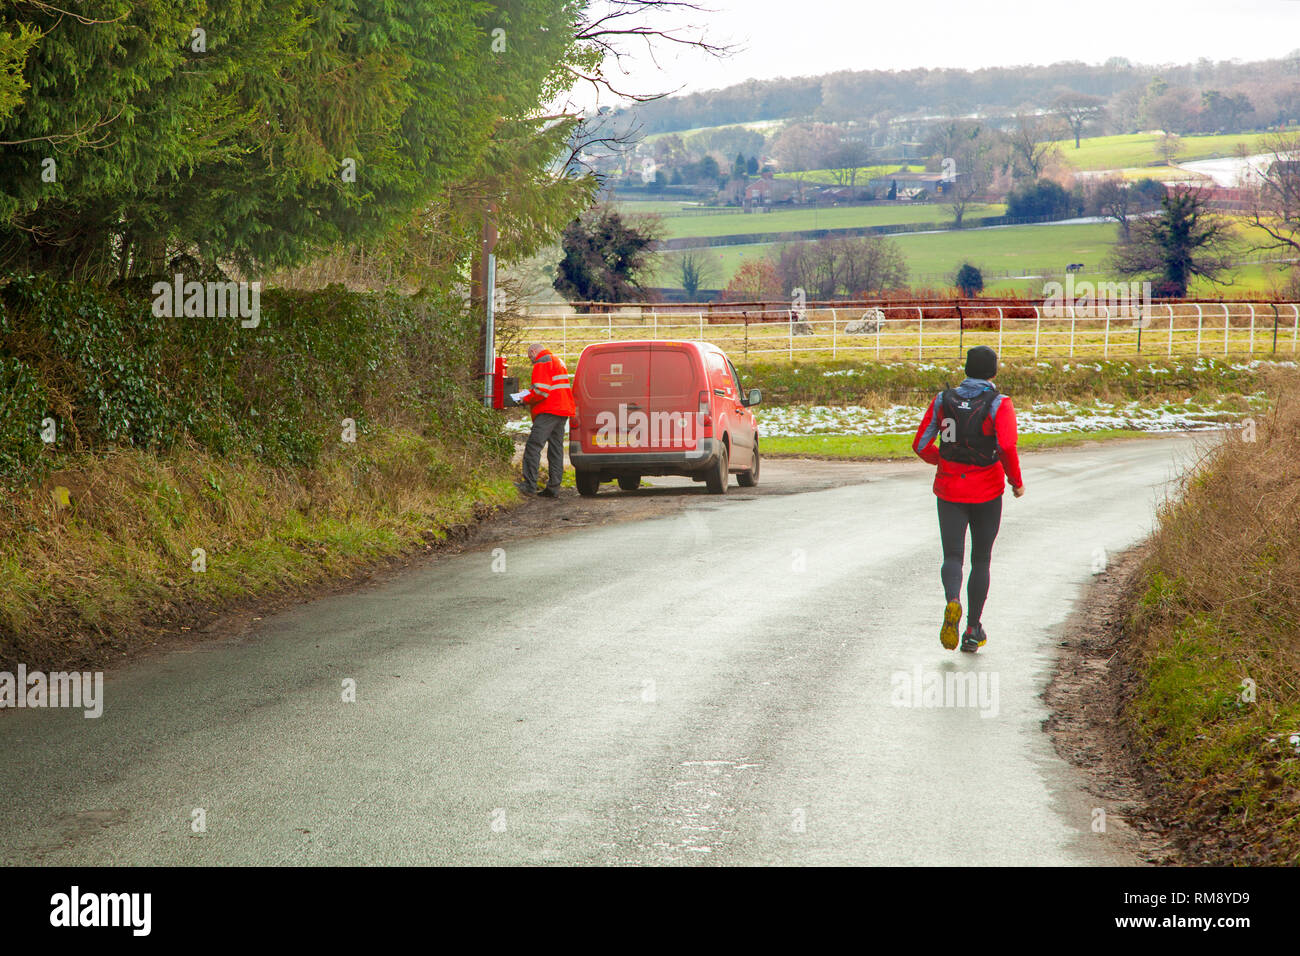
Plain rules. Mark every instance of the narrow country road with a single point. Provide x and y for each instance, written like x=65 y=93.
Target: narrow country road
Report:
x=721 y=684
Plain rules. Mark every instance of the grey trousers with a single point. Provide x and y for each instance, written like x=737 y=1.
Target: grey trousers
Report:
x=547 y=430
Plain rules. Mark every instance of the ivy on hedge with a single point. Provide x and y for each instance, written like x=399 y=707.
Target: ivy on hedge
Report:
x=112 y=374
x=22 y=409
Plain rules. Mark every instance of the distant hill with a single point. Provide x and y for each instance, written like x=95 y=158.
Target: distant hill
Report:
x=867 y=95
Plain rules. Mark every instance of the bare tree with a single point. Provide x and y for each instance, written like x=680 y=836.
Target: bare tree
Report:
x=1032 y=145
x=1174 y=110
x=850 y=266
x=1078 y=110
x=670 y=152
x=1123 y=201
x=847 y=159
x=605 y=31
x=1275 y=201
x=609 y=24
x=947 y=136
x=1113 y=199
x=1168 y=146
x=872 y=264
x=754 y=281
x=802 y=147
x=974 y=151
x=1124 y=110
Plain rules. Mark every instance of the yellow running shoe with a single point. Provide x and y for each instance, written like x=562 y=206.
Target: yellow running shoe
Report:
x=974 y=638
x=951 y=618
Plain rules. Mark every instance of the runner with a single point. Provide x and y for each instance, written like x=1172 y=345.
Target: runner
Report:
x=976 y=457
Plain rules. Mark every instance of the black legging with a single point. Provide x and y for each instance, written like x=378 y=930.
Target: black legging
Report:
x=984 y=519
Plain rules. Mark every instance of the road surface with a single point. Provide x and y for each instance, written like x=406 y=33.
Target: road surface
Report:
x=726 y=683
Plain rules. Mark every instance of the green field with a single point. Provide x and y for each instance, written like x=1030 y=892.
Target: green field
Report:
x=1023 y=248
x=837 y=217
x=1251 y=278
x=1139 y=149
x=1019 y=248
x=660 y=207
x=764 y=126
x=679 y=223
x=1026 y=250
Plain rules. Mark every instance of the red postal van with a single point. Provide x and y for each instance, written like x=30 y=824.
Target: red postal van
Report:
x=661 y=408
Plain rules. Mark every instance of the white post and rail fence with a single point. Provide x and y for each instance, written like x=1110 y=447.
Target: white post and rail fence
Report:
x=934 y=330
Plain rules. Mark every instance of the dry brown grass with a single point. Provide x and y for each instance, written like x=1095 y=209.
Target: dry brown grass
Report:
x=84 y=584
x=1216 y=641
x=1233 y=537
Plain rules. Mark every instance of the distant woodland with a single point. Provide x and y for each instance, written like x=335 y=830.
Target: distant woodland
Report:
x=1197 y=97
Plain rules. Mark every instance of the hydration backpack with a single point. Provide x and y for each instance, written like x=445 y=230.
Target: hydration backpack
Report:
x=961 y=428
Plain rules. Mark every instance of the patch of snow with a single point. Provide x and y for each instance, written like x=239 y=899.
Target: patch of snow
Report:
x=1040 y=418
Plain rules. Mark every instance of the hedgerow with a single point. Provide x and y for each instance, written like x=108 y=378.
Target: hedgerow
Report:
x=109 y=373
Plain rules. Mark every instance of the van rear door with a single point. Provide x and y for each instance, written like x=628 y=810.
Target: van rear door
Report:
x=676 y=380
x=613 y=383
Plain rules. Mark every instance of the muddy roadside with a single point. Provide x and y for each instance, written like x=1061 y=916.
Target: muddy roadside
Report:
x=1091 y=685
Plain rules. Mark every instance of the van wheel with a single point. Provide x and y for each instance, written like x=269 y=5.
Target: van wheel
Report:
x=588 y=483
x=748 y=479
x=630 y=482
x=717 y=477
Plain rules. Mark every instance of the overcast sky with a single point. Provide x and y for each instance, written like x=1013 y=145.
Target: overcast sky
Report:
x=810 y=37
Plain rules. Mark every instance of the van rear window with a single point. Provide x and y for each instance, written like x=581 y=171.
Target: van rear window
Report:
x=719 y=374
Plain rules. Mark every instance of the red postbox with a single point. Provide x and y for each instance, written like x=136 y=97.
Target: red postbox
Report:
x=502 y=385
x=499 y=382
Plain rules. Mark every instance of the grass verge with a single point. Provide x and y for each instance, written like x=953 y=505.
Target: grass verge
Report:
x=1213 y=637
x=893 y=447
x=87 y=583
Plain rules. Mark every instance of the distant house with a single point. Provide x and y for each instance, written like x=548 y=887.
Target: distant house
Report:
x=912 y=184
x=767 y=190
x=835 y=194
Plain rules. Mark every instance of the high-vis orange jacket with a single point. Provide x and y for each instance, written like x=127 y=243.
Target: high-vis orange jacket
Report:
x=552 y=389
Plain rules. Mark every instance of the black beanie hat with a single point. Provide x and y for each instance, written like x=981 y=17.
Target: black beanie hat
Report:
x=981 y=362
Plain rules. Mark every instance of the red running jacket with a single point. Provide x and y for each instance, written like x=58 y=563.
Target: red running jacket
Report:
x=972 y=484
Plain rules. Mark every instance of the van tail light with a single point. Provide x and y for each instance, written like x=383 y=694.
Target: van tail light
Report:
x=706 y=420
